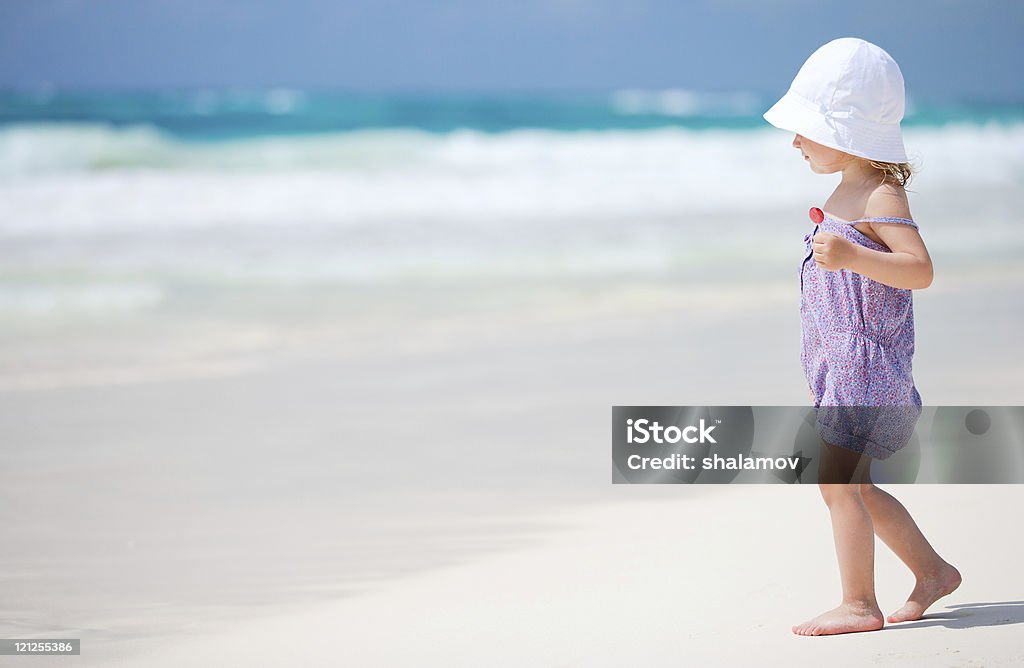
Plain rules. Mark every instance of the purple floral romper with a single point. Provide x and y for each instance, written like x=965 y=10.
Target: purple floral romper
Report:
x=856 y=345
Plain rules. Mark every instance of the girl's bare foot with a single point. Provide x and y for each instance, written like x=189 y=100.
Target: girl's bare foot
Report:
x=844 y=619
x=928 y=590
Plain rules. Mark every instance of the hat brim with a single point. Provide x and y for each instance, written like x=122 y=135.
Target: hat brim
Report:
x=874 y=141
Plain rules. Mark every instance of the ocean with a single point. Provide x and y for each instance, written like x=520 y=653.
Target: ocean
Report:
x=117 y=202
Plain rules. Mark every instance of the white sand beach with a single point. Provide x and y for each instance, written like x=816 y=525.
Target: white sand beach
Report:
x=708 y=578
x=440 y=494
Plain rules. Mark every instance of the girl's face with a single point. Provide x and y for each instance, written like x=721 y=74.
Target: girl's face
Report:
x=822 y=159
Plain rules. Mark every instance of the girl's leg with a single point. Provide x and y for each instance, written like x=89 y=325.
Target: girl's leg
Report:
x=894 y=525
x=840 y=474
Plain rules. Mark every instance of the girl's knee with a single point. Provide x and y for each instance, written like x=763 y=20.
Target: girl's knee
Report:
x=838 y=492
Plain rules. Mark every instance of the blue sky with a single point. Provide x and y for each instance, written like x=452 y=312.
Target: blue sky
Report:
x=946 y=48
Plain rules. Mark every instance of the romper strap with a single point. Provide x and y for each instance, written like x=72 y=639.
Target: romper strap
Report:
x=887 y=219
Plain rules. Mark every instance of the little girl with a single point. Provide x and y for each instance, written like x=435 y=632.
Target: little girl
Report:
x=857 y=321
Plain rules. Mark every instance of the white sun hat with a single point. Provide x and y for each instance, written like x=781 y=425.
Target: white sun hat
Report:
x=848 y=96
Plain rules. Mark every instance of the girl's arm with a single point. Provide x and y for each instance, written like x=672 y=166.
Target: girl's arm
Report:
x=908 y=266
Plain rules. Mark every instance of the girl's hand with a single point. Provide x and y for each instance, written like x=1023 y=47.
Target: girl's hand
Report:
x=832 y=252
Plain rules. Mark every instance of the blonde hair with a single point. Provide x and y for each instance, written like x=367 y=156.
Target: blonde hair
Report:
x=896 y=172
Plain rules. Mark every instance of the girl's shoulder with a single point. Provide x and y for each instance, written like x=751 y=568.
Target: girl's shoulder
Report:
x=887 y=200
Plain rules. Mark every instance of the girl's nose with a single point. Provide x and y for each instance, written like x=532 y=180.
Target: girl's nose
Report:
x=796 y=141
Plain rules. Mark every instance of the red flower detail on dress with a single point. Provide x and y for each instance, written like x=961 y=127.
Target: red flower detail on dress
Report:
x=817 y=215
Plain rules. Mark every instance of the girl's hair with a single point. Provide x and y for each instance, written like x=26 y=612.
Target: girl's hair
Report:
x=896 y=172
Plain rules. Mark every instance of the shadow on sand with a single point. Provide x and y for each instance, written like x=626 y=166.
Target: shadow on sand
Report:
x=969 y=616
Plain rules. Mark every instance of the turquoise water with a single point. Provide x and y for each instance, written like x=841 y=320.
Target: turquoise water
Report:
x=222 y=114
x=124 y=201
